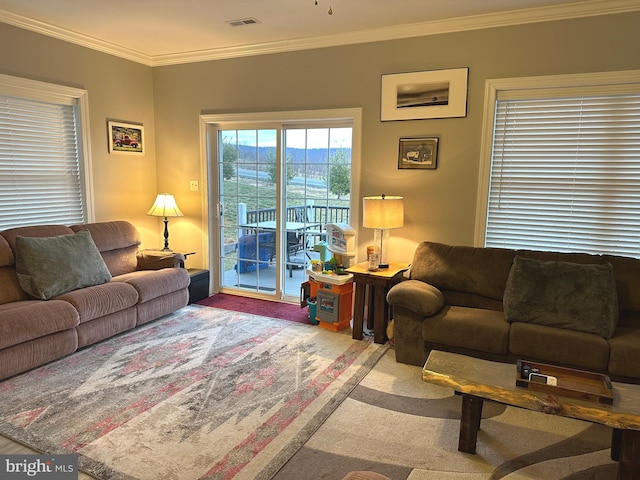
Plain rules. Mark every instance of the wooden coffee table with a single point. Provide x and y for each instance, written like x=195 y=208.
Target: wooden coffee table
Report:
x=478 y=380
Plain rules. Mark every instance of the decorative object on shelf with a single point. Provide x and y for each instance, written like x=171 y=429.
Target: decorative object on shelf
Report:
x=126 y=138
x=165 y=206
x=419 y=95
x=382 y=213
x=418 y=152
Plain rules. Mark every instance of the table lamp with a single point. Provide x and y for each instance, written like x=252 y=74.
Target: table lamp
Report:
x=382 y=213
x=165 y=206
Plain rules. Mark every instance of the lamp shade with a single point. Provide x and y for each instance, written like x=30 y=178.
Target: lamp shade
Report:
x=165 y=206
x=383 y=212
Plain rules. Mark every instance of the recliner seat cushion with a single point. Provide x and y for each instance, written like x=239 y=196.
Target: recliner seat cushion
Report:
x=30 y=319
x=101 y=300
x=152 y=284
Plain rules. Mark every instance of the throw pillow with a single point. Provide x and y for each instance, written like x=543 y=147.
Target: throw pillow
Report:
x=50 y=266
x=579 y=297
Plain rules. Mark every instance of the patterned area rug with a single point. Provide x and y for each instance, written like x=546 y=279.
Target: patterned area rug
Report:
x=203 y=393
x=395 y=424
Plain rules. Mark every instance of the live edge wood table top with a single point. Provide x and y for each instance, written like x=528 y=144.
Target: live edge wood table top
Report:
x=477 y=380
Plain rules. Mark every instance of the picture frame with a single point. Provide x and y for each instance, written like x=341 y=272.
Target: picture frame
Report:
x=418 y=153
x=422 y=95
x=126 y=138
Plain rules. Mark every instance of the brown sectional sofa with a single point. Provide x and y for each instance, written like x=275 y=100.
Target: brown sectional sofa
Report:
x=454 y=300
x=144 y=286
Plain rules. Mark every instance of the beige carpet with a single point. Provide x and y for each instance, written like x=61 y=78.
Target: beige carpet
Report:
x=397 y=425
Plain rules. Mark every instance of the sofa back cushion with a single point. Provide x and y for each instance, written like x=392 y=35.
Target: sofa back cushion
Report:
x=11 y=234
x=117 y=242
x=10 y=290
x=467 y=276
x=477 y=277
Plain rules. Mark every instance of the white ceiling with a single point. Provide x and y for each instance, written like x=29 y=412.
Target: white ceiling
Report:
x=163 y=32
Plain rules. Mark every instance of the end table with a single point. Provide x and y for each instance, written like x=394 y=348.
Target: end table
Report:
x=377 y=284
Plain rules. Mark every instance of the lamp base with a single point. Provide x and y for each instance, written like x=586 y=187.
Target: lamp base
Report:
x=381 y=241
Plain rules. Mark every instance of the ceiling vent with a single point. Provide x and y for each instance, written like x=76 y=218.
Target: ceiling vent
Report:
x=242 y=22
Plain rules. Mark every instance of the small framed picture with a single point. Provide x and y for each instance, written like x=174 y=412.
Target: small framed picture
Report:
x=418 y=152
x=421 y=95
x=126 y=138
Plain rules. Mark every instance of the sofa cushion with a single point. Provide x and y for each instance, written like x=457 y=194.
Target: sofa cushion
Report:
x=49 y=266
x=468 y=328
x=624 y=360
x=481 y=272
x=560 y=346
x=29 y=319
x=152 y=284
x=6 y=255
x=101 y=300
x=580 y=297
x=117 y=242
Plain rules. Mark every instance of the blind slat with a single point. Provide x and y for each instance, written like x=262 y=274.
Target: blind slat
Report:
x=40 y=176
x=565 y=173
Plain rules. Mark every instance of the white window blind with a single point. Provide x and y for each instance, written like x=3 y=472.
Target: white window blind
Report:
x=565 y=171
x=40 y=174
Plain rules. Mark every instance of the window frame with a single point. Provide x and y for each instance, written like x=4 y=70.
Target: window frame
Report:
x=59 y=94
x=494 y=87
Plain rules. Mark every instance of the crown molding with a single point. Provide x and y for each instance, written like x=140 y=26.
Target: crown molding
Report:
x=73 y=37
x=477 y=22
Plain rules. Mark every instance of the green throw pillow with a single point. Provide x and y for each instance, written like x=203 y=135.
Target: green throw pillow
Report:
x=50 y=266
x=579 y=297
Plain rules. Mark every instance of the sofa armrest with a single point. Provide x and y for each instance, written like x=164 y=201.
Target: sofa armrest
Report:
x=155 y=260
x=417 y=296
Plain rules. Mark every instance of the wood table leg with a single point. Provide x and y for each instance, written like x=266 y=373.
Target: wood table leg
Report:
x=629 y=461
x=469 y=423
x=358 y=311
x=379 y=314
x=616 y=440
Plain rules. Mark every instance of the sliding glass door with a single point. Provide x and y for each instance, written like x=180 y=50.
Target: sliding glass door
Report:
x=277 y=185
x=248 y=209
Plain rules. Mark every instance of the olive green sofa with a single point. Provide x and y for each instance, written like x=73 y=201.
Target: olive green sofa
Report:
x=475 y=301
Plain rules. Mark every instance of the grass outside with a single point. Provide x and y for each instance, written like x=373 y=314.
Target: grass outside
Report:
x=261 y=195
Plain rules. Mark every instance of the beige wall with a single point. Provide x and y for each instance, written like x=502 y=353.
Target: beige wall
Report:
x=124 y=186
x=440 y=204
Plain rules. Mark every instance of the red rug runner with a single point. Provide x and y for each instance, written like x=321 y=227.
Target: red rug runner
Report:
x=256 y=306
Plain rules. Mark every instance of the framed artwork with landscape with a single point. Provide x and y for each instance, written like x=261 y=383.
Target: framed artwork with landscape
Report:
x=418 y=153
x=126 y=138
x=422 y=95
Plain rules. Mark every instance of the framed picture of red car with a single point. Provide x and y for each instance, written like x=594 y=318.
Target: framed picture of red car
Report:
x=126 y=138
x=418 y=152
